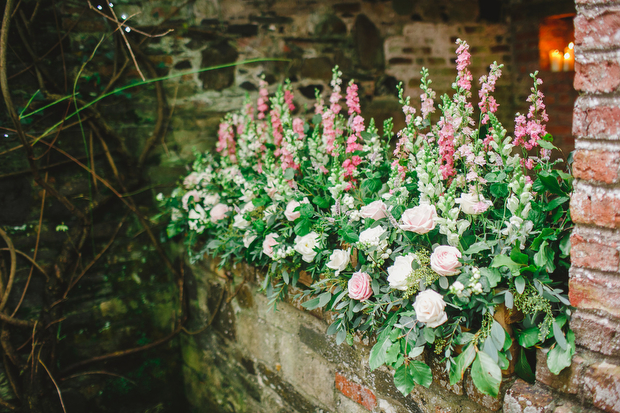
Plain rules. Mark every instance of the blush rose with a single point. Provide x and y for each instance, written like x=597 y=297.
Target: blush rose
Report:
x=218 y=212
x=445 y=260
x=359 y=286
x=269 y=243
x=420 y=219
x=375 y=210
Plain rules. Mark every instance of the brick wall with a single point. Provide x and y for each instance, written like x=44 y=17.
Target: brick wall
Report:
x=594 y=376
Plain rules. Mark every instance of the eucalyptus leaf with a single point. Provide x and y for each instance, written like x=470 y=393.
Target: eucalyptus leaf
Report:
x=558 y=359
x=520 y=284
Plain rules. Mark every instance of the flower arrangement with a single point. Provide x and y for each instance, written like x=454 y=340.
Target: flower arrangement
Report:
x=422 y=245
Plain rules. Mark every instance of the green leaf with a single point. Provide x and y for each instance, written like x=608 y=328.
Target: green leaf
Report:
x=565 y=246
x=559 y=336
x=341 y=336
x=320 y=202
x=549 y=182
x=377 y=354
x=289 y=174
x=528 y=337
x=493 y=276
x=429 y=334
x=497 y=334
x=392 y=354
x=499 y=190
x=462 y=361
x=520 y=284
x=544 y=257
x=316 y=119
x=558 y=359
x=518 y=257
x=302 y=227
x=509 y=300
x=546 y=145
x=349 y=235
x=477 y=247
x=554 y=203
x=421 y=373
x=486 y=374
x=403 y=380
x=523 y=368
x=311 y=304
x=503 y=260
x=324 y=299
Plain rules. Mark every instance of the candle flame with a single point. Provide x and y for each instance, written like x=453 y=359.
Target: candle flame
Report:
x=567 y=56
x=571 y=45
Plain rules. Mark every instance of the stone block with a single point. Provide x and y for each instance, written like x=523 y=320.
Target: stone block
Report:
x=601 y=386
x=441 y=377
x=343 y=355
x=567 y=381
x=601 y=334
x=355 y=391
x=594 y=290
x=595 y=206
x=601 y=166
x=598 y=122
x=598 y=27
x=306 y=370
x=526 y=398
x=258 y=338
x=597 y=77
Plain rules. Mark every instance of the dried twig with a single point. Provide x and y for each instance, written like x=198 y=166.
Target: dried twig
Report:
x=55 y=385
x=9 y=284
x=88 y=373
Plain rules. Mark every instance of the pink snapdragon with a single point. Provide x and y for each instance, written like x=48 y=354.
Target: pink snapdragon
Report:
x=226 y=140
x=329 y=133
x=446 y=149
x=353 y=100
x=357 y=127
x=298 y=127
x=487 y=103
x=350 y=165
x=276 y=124
x=263 y=95
x=288 y=99
x=528 y=131
x=463 y=60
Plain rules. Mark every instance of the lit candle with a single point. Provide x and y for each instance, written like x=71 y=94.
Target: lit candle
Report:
x=569 y=58
x=555 y=60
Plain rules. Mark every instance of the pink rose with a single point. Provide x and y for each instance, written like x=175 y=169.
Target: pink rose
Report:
x=420 y=219
x=269 y=243
x=359 y=286
x=290 y=212
x=219 y=212
x=445 y=260
x=375 y=210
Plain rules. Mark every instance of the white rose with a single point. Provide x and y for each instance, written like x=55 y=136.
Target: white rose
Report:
x=218 y=212
x=248 y=238
x=375 y=210
x=339 y=260
x=240 y=222
x=420 y=219
x=473 y=204
x=371 y=234
x=429 y=308
x=248 y=207
x=198 y=213
x=305 y=246
x=400 y=271
x=290 y=212
x=211 y=199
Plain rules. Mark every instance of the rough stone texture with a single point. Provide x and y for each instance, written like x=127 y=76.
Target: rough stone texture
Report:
x=595 y=165
x=356 y=392
x=596 y=206
x=597 y=77
x=602 y=386
x=594 y=290
x=601 y=334
x=568 y=381
x=526 y=398
x=591 y=254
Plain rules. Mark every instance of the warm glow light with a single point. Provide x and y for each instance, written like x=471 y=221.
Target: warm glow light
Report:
x=556 y=60
x=566 y=55
x=571 y=45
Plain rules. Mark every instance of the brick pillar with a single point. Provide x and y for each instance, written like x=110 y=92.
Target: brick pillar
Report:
x=594 y=285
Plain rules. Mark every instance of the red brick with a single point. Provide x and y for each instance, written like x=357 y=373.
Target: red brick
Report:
x=592 y=254
x=602 y=30
x=524 y=397
x=595 y=291
x=599 y=122
x=597 y=77
x=599 y=208
x=601 y=386
x=596 y=165
x=356 y=392
x=567 y=381
x=601 y=334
